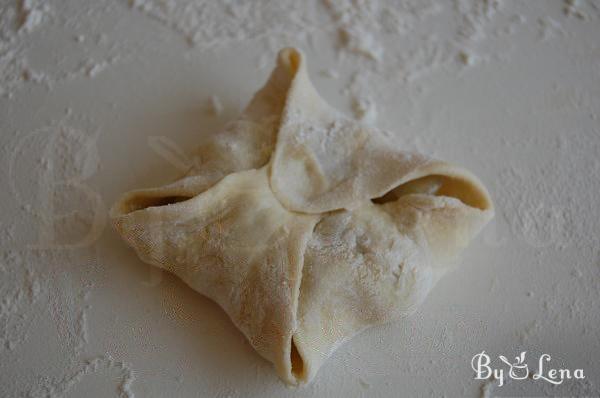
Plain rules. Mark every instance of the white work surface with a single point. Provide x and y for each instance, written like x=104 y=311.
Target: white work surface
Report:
x=100 y=97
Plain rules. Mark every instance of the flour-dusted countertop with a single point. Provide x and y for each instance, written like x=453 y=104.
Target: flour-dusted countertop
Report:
x=98 y=97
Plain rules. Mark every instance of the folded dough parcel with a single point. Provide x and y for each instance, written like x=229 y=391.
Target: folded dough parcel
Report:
x=354 y=231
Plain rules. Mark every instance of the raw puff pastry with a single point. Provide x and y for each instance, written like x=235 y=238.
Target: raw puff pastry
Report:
x=304 y=226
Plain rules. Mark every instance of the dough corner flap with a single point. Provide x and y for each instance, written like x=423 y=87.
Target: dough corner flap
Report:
x=305 y=226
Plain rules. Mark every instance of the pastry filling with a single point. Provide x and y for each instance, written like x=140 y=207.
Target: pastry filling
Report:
x=143 y=202
x=438 y=185
x=297 y=361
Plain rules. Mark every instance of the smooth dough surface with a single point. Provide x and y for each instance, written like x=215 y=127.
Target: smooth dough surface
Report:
x=306 y=227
